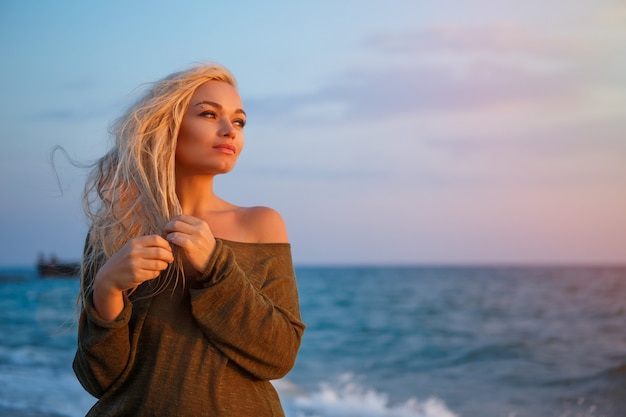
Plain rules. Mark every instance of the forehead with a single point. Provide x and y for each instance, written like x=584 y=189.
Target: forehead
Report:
x=218 y=92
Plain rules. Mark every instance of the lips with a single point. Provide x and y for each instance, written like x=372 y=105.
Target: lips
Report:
x=226 y=148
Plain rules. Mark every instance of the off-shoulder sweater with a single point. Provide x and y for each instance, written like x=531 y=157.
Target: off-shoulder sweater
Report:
x=206 y=348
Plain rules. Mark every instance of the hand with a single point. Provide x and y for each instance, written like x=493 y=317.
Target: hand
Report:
x=194 y=237
x=140 y=259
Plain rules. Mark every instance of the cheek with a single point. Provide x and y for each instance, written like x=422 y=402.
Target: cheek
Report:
x=240 y=140
x=186 y=132
x=182 y=135
x=189 y=136
x=186 y=145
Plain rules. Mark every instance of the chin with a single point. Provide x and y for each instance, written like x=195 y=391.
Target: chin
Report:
x=225 y=169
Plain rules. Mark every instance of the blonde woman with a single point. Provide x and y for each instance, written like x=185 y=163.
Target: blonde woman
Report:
x=189 y=303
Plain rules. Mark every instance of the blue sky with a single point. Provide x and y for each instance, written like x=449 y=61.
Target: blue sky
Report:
x=385 y=132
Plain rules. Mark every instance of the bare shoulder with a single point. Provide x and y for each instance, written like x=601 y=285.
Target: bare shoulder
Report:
x=266 y=223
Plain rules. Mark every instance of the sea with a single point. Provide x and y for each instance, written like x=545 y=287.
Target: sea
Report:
x=424 y=341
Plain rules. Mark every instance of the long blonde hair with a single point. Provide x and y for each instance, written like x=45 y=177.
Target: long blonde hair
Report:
x=131 y=190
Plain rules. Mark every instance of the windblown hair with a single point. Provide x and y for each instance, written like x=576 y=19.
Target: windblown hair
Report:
x=131 y=190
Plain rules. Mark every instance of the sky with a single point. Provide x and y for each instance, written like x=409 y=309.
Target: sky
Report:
x=400 y=132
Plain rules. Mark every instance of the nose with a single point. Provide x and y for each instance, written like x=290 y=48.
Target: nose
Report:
x=227 y=129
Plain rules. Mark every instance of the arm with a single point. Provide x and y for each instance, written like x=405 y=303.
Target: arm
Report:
x=103 y=350
x=258 y=329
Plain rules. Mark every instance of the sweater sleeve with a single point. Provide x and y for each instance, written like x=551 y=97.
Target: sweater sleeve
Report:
x=257 y=327
x=103 y=348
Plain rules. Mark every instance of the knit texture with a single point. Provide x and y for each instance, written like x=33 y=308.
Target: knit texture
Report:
x=205 y=348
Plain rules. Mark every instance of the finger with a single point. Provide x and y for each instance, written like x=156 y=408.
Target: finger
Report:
x=179 y=226
x=151 y=247
x=149 y=269
x=179 y=239
x=184 y=223
x=158 y=253
x=152 y=241
x=154 y=265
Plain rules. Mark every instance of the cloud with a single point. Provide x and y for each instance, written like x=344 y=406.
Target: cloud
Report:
x=362 y=95
x=426 y=90
x=502 y=38
x=447 y=68
x=82 y=109
x=457 y=105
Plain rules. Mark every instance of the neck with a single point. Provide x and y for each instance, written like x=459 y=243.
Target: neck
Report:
x=195 y=194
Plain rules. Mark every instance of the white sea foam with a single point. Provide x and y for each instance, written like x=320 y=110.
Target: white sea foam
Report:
x=40 y=389
x=348 y=398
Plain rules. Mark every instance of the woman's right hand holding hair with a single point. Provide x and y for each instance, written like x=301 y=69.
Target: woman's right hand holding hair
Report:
x=140 y=259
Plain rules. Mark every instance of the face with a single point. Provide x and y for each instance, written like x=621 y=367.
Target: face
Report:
x=211 y=132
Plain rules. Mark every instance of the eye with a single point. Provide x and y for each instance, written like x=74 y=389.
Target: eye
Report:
x=209 y=114
x=239 y=122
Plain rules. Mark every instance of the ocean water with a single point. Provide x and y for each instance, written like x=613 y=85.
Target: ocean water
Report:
x=397 y=342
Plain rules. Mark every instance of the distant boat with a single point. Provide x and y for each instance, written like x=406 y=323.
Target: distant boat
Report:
x=54 y=268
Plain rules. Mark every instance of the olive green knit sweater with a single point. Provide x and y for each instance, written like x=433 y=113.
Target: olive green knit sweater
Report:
x=208 y=348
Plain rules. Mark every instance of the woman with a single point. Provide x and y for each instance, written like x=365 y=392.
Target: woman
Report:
x=189 y=303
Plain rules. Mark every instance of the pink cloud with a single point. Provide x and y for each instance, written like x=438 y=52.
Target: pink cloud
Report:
x=395 y=91
x=498 y=38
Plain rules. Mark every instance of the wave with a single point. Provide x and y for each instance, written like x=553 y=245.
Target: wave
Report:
x=43 y=392
x=348 y=398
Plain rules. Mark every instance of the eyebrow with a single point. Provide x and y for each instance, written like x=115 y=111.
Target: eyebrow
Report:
x=218 y=106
